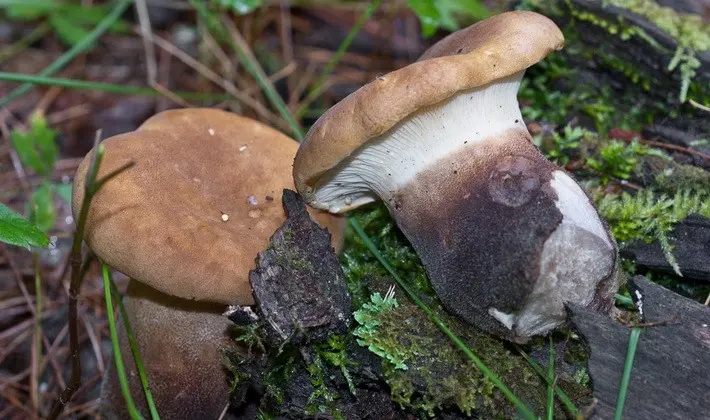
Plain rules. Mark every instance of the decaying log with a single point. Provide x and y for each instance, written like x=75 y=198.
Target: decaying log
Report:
x=691 y=249
x=671 y=370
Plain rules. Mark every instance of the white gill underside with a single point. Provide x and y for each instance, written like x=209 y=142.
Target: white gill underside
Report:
x=387 y=163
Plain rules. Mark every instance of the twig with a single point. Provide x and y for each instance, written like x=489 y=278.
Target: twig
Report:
x=94 y=343
x=37 y=337
x=670 y=321
x=675 y=147
x=147 y=35
x=699 y=105
x=36 y=34
x=215 y=78
x=241 y=48
x=246 y=57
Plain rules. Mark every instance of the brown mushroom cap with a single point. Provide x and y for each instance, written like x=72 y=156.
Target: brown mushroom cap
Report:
x=490 y=50
x=161 y=221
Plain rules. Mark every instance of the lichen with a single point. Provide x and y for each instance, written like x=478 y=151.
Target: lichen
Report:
x=676 y=177
x=687 y=29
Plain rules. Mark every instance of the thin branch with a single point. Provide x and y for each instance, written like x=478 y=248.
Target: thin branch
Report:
x=90 y=188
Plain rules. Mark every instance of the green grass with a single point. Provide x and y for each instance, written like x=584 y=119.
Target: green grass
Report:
x=106 y=87
x=250 y=64
x=81 y=47
x=117 y=357
x=136 y=354
x=319 y=86
x=551 y=382
x=566 y=401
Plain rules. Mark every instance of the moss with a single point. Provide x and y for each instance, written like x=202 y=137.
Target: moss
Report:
x=334 y=353
x=619 y=160
x=621 y=28
x=627 y=69
x=427 y=372
x=322 y=399
x=671 y=177
x=359 y=264
x=648 y=216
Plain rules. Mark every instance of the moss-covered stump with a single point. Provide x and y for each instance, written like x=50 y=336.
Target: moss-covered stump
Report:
x=634 y=62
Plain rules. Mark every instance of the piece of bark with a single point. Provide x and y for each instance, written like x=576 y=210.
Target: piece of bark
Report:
x=691 y=249
x=670 y=378
x=298 y=284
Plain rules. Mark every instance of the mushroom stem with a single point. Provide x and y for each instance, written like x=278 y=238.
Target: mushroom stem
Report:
x=179 y=341
x=506 y=237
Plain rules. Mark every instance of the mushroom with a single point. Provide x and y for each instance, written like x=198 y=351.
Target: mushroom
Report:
x=161 y=222
x=506 y=236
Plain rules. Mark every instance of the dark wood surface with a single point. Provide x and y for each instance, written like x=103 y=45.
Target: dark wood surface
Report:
x=671 y=371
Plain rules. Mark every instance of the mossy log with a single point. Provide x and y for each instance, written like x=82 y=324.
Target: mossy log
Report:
x=633 y=61
x=669 y=378
x=691 y=240
x=633 y=44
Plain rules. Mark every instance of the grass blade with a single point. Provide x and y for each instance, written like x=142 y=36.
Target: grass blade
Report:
x=136 y=353
x=120 y=370
x=560 y=393
x=319 y=85
x=250 y=64
x=626 y=375
x=105 y=87
x=551 y=383
x=524 y=410
x=77 y=49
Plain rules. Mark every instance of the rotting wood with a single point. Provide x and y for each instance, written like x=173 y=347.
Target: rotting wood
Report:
x=669 y=379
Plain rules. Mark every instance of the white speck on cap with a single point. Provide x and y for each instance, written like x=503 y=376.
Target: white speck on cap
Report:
x=252 y=200
x=225 y=217
x=243 y=148
x=211 y=131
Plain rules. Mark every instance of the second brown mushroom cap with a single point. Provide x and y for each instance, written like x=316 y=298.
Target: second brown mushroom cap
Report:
x=186 y=222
